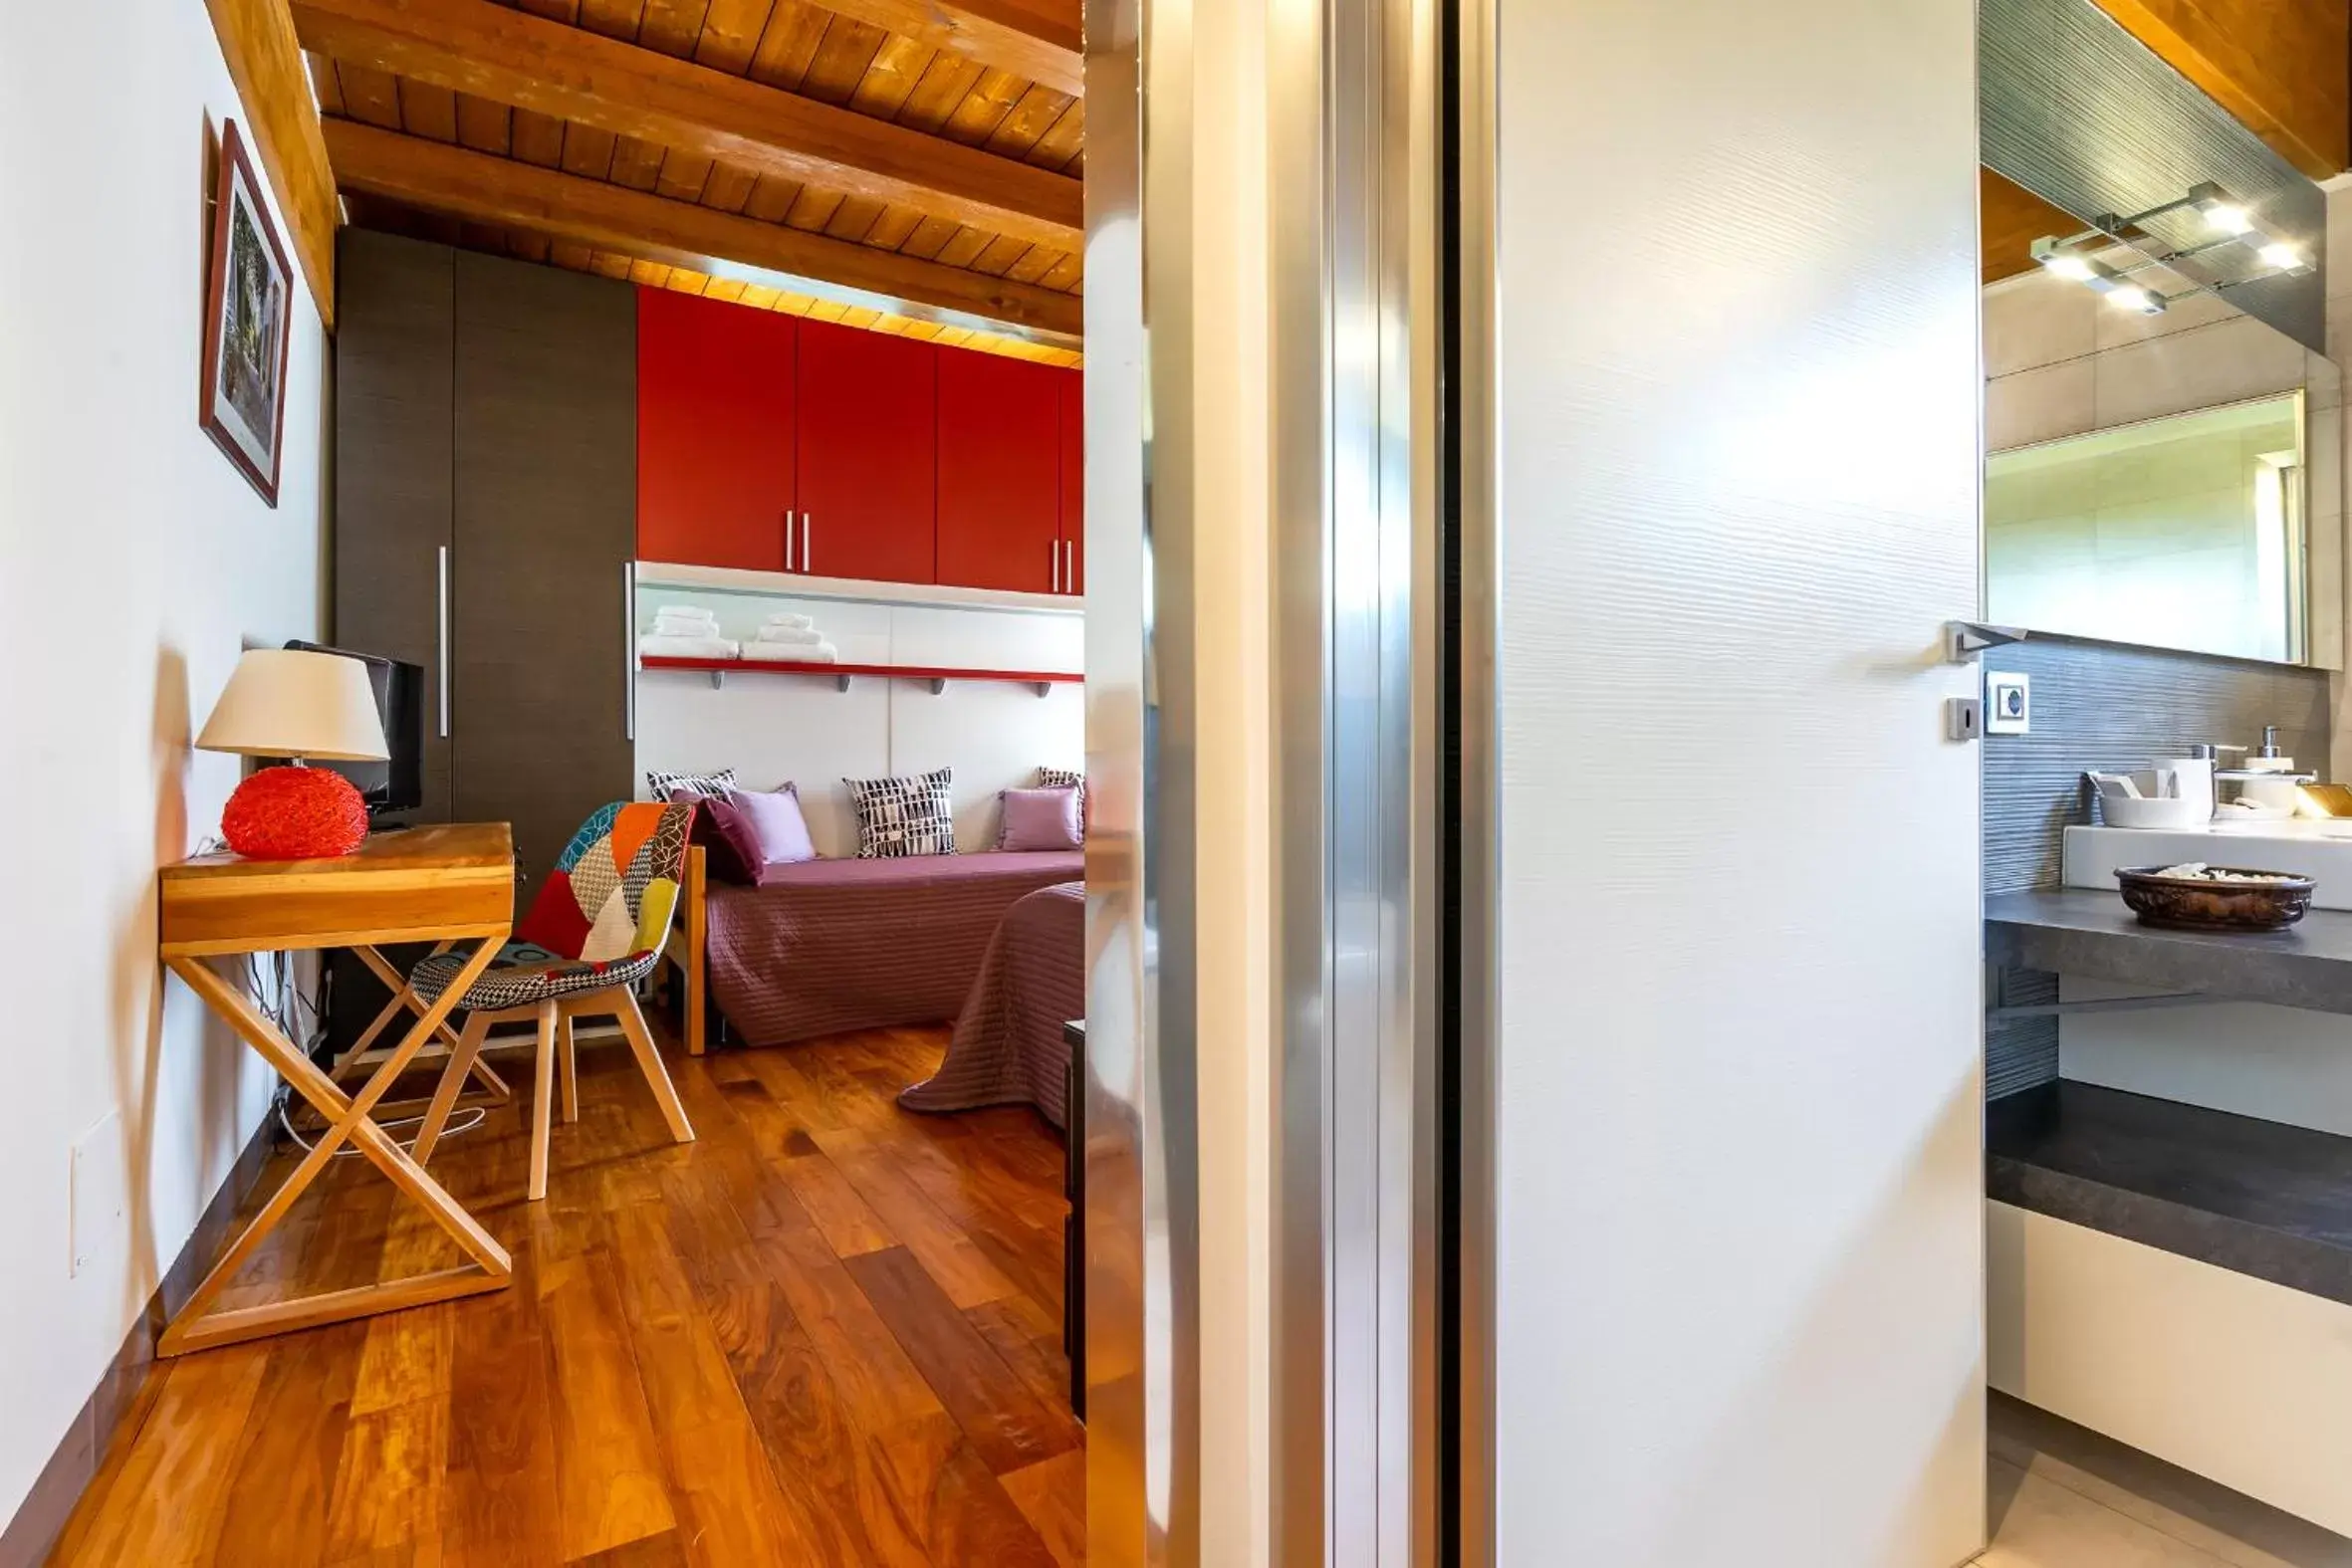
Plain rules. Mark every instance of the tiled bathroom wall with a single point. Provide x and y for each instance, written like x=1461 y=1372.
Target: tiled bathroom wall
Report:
x=2106 y=707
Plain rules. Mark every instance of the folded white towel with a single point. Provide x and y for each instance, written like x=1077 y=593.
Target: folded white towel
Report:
x=682 y=615
x=663 y=645
x=787 y=619
x=789 y=634
x=820 y=653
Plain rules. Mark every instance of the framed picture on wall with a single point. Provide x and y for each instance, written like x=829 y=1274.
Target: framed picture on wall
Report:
x=247 y=296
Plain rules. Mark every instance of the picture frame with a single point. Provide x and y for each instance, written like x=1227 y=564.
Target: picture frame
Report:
x=248 y=305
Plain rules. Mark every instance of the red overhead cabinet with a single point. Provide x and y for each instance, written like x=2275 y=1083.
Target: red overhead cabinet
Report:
x=1074 y=481
x=869 y=455
x=1000 y=473
x=715 y=432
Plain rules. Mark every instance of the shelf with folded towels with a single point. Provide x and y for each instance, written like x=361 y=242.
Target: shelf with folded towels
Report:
x=936 y=675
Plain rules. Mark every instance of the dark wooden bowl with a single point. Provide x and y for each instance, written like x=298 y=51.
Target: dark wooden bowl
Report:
x=2182 y=905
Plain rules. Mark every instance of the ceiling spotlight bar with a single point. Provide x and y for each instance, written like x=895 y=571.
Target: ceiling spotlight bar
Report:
x=2232 y=222
x=2072 y=259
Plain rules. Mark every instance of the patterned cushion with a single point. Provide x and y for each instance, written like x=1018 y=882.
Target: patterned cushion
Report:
x=522 y=976
x=1063 y=779
x=600 y=920
x=904 y=816
x=664 y=784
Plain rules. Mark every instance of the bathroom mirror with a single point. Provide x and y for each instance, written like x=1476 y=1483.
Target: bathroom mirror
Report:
x=2170 y=480
x=2185 y=530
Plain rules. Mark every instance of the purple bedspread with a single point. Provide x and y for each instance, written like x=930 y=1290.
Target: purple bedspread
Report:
x=1008 y=1047
x=830 y=946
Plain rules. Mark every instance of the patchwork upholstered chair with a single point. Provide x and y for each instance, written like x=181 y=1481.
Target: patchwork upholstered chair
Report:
x=595 y=930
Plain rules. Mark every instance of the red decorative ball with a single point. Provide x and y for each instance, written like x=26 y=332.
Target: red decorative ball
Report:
x=295 y=813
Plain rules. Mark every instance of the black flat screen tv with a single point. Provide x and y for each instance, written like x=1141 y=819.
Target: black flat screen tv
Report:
x=397 y=784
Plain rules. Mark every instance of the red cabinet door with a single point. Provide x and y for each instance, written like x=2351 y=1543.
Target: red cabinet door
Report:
x=869 y=455
x=1000 y=472
x=1074 y=481
x=715 y=391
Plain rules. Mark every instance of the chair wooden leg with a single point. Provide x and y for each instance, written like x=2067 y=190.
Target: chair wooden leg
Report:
x=543 y=1100
x=453 y=1076
x=658 y=1076
x=568 y=1063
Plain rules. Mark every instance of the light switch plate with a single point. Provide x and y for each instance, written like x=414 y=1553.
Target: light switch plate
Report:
x=2008 y=703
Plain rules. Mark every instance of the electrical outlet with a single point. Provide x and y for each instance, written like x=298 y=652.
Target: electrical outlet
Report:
x=97 y=1200
x=2008 y=703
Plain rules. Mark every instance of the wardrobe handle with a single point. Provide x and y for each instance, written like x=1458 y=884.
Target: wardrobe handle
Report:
x=441 y=630
x=628 y=650
x=807 y=538
x=788 y=539
x=1070 y=566
x=1054 y=554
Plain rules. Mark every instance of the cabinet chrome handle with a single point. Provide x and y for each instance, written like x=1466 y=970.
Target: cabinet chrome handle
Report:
x=787 y=539
x=1054 y=555
x=441 y=631
x=628 y=650
x=807 y=538
x=1070 y=566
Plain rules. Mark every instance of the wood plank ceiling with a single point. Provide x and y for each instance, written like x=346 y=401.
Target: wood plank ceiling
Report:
x=949 y=209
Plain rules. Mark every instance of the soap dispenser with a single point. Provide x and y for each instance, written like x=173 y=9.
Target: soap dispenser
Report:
x=2277 y=794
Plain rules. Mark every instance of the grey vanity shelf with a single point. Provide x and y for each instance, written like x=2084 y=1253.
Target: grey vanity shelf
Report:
x=2066 y=931
x=2253 y=1197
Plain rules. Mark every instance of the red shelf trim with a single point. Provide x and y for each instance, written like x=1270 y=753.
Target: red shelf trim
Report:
x=901 y=672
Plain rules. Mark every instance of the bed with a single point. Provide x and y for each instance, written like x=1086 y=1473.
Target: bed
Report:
x=1008 y=1047
x=827 y=947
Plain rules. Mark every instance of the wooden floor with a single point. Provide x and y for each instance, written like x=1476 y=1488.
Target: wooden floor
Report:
x=829 y=1332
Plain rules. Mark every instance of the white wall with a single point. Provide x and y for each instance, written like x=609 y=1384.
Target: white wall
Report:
x=1738 y=1164
x=773 y=729
x=134 y=563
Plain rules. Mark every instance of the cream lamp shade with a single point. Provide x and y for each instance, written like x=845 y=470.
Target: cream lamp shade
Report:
x=284 y=702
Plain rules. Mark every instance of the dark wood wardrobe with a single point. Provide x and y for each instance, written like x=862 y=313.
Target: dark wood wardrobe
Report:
x=485 y=521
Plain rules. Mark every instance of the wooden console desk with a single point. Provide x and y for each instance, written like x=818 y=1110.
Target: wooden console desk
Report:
x=453 y=884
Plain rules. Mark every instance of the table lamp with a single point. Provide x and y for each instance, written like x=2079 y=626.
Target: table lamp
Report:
x=284 y=702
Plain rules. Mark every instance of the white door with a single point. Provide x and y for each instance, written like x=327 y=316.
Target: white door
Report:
x=1736 y=1244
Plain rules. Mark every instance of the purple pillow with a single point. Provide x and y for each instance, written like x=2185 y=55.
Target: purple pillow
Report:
x=776 y=817
x=730 y=844
x=1039 y=819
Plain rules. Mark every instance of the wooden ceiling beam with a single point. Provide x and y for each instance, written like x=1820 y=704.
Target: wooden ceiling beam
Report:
x=516 y=57
x=1003 y=34
x=281 y=121
x=490 y=190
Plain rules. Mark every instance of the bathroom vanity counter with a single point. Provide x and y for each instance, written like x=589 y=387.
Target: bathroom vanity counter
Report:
x=2066 y=931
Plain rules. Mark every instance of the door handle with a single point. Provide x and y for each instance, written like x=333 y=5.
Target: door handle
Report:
x=628 y=650
x=788 y=539
x=1069 y=565
x=441 y=631
x=1054 y=555
x=807 y=538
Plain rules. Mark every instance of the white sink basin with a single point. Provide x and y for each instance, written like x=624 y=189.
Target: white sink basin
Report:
x=2093 y=855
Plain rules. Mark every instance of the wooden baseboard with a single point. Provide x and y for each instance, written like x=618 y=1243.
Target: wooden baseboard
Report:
x=41 y=1518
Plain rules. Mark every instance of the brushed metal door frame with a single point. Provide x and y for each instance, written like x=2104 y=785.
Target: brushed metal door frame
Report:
x=1357 y=1266
x=1350 y=88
